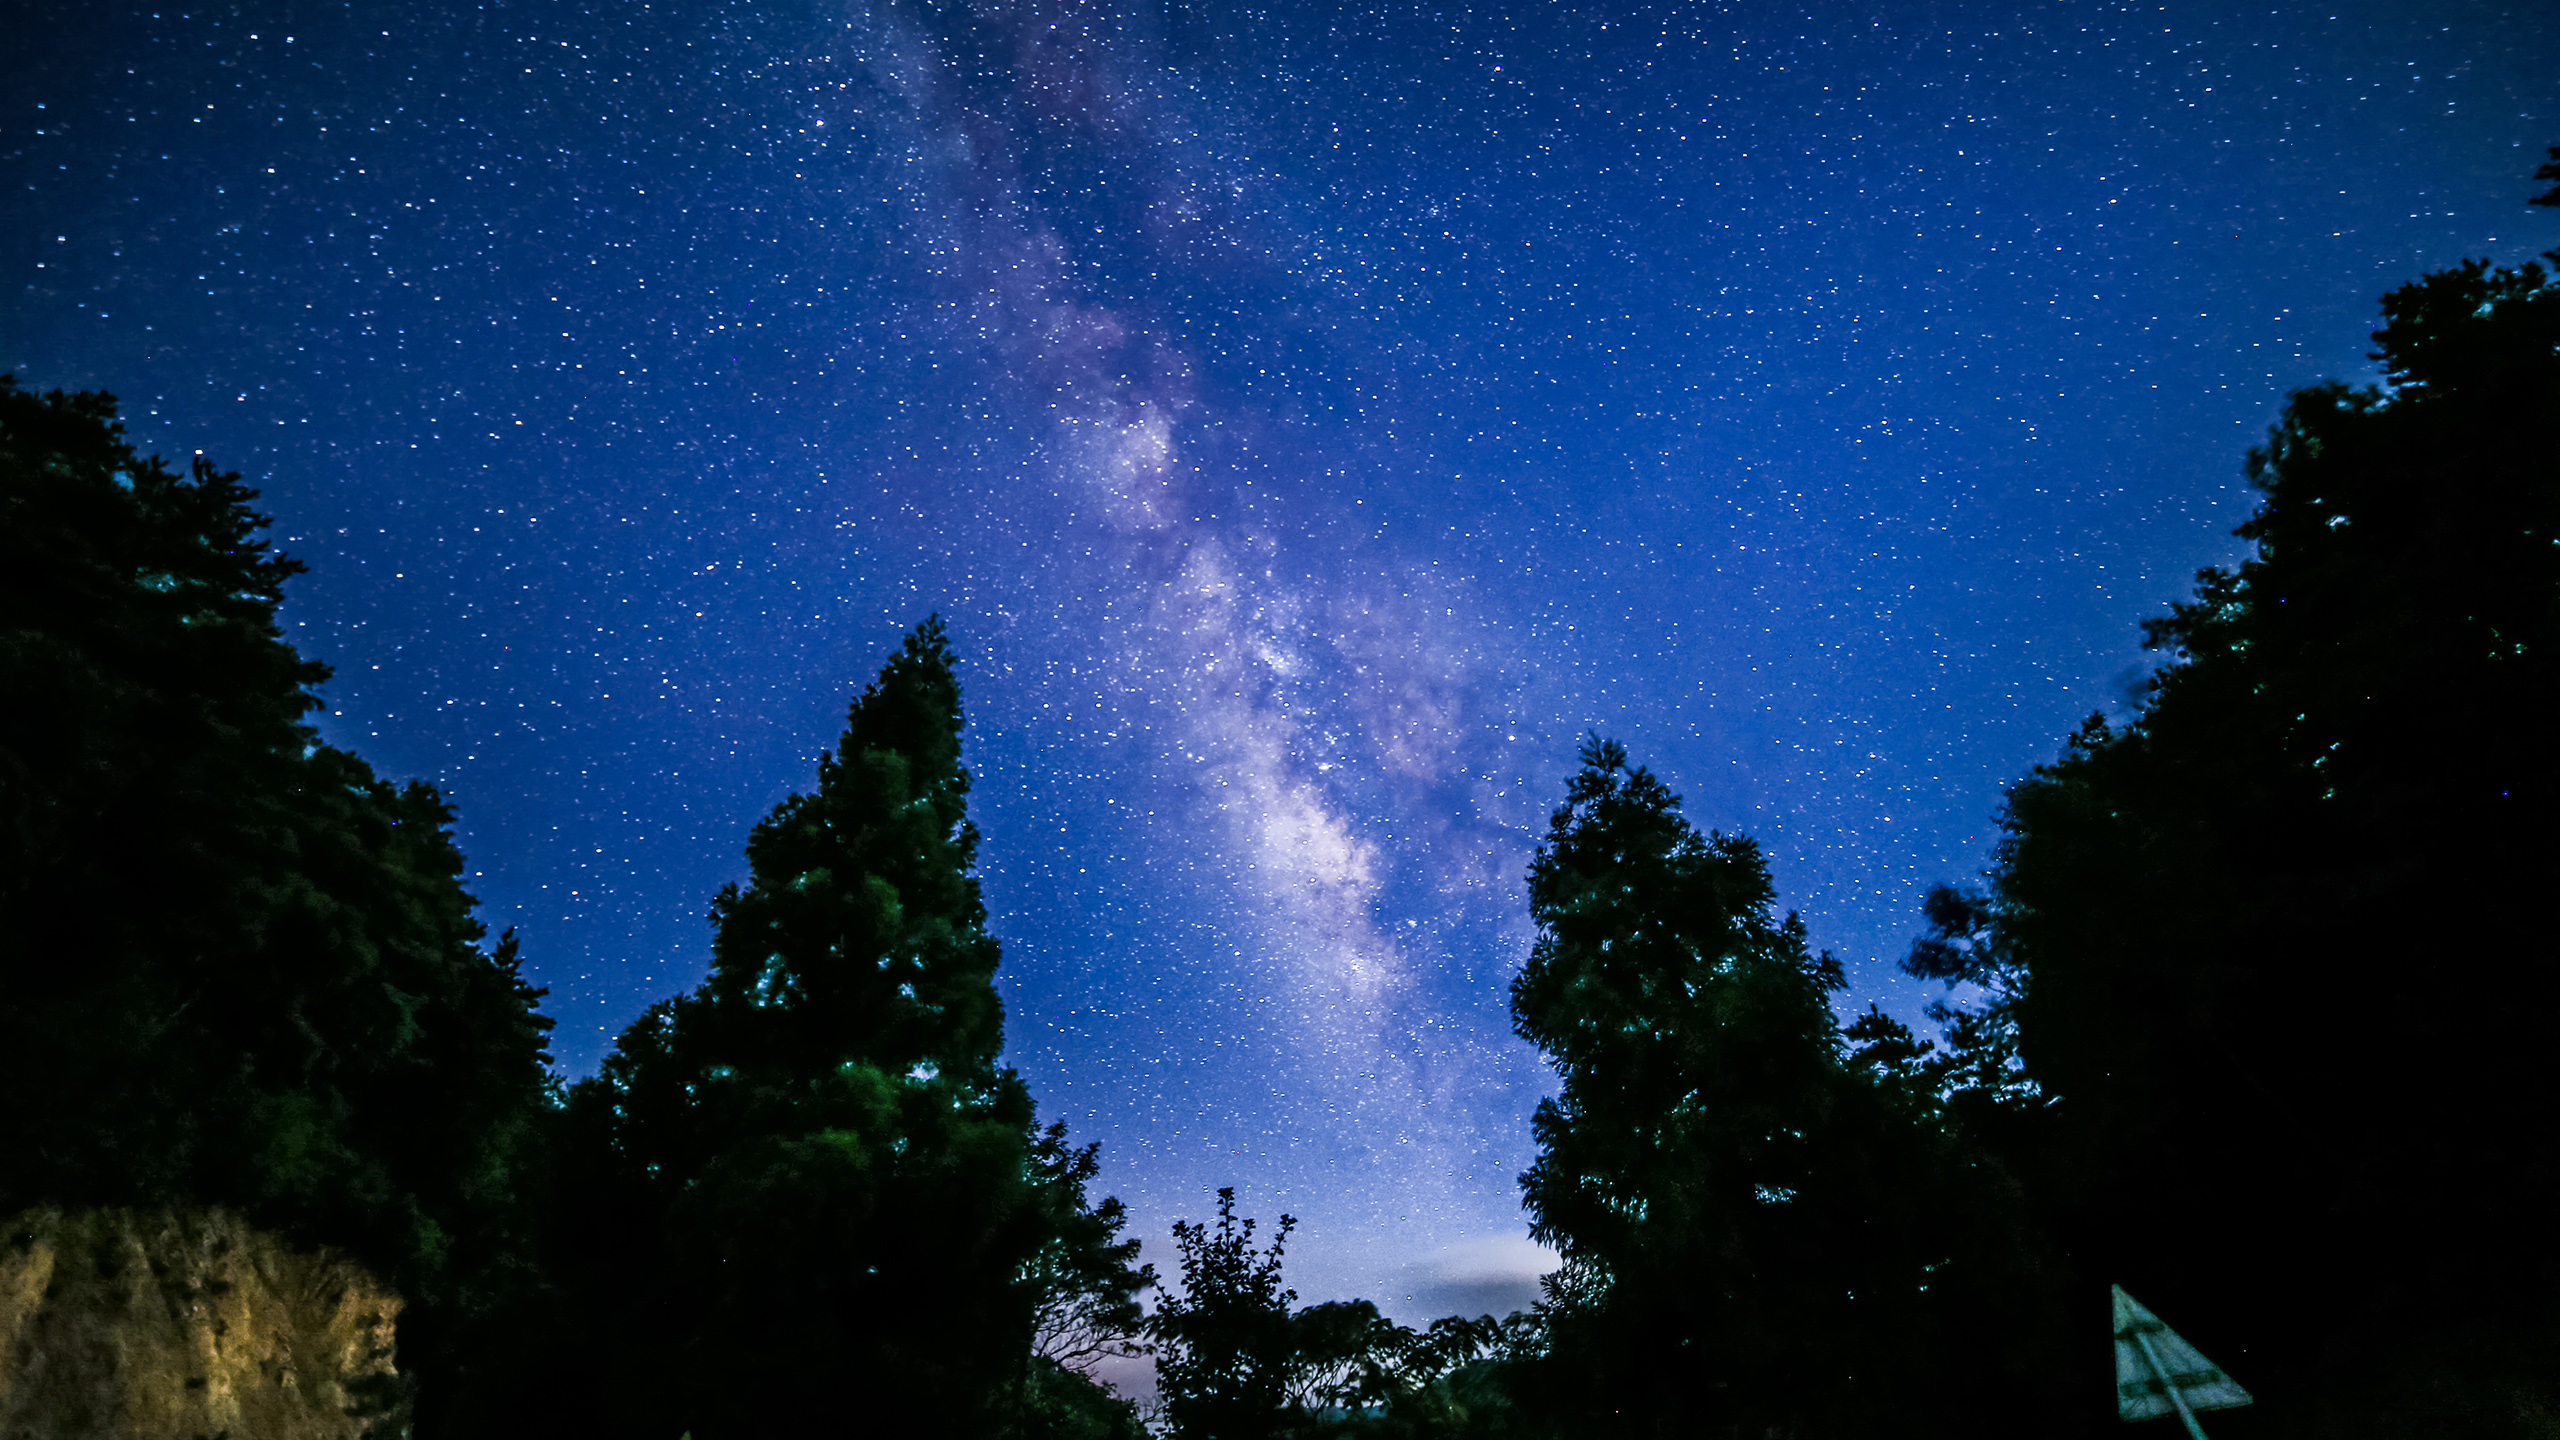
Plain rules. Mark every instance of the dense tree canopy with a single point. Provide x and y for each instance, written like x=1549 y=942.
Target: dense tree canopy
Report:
x=241 y=970
x=2278 y=947
x=1762 y=1233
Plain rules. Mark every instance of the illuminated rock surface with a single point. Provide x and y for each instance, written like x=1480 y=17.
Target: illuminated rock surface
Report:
x=186 y=1323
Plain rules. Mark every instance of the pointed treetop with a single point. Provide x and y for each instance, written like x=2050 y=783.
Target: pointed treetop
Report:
x=860 y=934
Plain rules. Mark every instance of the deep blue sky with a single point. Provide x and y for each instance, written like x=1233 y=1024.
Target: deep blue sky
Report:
x=1311 y=422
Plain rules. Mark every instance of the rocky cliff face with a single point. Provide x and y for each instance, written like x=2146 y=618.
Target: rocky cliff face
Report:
x=187 y=1325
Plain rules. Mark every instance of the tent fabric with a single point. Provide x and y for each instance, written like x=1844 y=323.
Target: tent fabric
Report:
x=2142 y=1393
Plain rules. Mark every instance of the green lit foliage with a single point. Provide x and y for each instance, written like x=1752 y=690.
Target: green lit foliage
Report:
x=2275 y=947
x=808 y=1179
x=1761 y=1232
x=242 y=970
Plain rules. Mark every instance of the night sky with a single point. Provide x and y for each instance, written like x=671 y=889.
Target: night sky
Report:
x=1311 y=422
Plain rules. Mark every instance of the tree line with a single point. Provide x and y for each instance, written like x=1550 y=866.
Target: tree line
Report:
x=2248 y=1016
x=242 y=970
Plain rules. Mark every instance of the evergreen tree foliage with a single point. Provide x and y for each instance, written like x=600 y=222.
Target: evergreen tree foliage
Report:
x=241 y=969
x=808 y=1185
x=1761 y=1233
x=2277 y=947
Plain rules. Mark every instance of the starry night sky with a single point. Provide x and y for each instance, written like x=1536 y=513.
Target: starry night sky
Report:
x=1310 y=420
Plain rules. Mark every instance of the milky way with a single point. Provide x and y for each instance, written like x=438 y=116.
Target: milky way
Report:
x=1311 y=423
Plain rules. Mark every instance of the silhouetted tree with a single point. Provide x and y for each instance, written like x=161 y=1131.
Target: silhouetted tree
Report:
x=240 y=969
x=1461 y=1378
x=1759 y=1235
x=1085 y=1279
x=1224 y=1346
x=1355 y=1373
x=1344 y=1359
x=1980 y=1077
x=2277 y=948
x=813 y=1182
x=1234 y=1360
x=1084 y=1282
x=1057 y=1402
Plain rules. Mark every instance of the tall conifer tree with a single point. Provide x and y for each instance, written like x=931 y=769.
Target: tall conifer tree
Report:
x=836 y=1190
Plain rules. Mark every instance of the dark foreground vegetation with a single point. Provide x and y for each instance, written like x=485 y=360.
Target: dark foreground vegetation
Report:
x=2257 y=1009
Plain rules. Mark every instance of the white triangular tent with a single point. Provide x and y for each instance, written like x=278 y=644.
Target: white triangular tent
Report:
x=2159 y=1373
